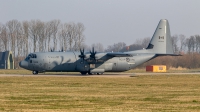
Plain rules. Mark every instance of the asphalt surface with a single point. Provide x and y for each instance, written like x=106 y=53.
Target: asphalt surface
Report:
x=103 y=75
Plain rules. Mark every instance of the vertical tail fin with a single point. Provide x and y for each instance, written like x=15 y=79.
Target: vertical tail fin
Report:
x=161 y=41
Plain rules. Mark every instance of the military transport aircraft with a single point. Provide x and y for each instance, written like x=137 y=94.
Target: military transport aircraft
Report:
x=94 y=62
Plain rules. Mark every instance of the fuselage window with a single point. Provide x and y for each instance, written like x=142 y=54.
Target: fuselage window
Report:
x=31 y=56
x=27 y=58
x=34 y=56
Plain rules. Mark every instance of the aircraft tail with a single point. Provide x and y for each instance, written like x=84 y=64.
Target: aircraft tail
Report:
x=161 y=42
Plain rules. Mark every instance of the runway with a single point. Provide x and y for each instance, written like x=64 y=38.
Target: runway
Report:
x=103 y=75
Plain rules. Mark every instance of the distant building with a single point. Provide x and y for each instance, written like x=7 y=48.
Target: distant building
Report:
x=6 y=60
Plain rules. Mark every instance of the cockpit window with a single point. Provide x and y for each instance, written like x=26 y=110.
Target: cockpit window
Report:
x=27 y=58
x=31 y=56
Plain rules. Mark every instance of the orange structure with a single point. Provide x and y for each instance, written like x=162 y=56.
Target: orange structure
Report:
x=156 y=68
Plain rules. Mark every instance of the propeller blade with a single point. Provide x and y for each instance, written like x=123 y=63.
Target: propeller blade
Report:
x=82 y=54
x=93 y=49
x=92 y=54
x=62 y=49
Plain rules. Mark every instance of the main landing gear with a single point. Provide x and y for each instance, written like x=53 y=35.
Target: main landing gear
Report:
x=35 y=72
x=89 y=73
x=83 y=73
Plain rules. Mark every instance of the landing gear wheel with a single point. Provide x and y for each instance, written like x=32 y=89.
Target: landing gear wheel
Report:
x=90 y=73
x=35 y=72
x=99 y=73
x=83 y=73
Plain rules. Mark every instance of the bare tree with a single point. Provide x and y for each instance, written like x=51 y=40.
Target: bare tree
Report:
x=4 y=36
x=54 y=28
x=79 y=36
x=175 y=43
x=116 y=47
x=41 y=35
x=192 y=42
x=145 y=42
x=36 y=33
x=197 y=38
x=85 y=47
x=98 y=47
x=71 y=34
x=48 y=33
x=13 y=33
x=25 y=26
x=182 y=42
x=19 y=45
x=33 y=33
x=188 y=44
x=63 y=34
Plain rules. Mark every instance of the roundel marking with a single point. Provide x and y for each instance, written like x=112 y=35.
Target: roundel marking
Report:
x=127 y=59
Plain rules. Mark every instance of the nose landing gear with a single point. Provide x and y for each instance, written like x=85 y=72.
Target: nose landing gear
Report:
x=83 y=73
x=35 y=72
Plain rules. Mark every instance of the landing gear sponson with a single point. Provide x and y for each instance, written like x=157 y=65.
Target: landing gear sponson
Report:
x=84 y=73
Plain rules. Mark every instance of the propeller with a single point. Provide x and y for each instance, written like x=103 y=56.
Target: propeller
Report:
x=82 y=55
x=92 y=58
x=92 y=54
x=61 y=49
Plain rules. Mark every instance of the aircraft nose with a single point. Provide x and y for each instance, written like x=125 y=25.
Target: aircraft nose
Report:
x=23 y=64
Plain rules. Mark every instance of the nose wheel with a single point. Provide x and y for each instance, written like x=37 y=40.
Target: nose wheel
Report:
x=35 y=72
x=83 y=73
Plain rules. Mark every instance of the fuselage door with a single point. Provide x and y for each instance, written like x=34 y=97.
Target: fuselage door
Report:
x=49 y=65
x=82 y=66
x=115 y=63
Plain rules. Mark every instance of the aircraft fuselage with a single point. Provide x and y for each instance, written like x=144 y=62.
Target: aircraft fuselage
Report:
x=70 y=62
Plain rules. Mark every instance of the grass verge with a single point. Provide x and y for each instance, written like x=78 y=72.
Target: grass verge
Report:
x=142 y=93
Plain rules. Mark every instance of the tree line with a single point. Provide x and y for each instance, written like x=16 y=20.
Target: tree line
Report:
x=181 y=44
x=38 y=36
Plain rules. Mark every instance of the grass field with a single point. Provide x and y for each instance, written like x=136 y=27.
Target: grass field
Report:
x=141 y=93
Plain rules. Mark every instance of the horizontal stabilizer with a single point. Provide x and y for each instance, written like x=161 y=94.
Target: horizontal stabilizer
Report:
x=168 y=55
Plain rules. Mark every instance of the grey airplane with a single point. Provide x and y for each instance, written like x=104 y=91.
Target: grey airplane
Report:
x=97 y=63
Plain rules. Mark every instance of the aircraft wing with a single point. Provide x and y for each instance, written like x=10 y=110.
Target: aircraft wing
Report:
x=119 y=54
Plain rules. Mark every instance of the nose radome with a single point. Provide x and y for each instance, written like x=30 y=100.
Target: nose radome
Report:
x=23 y=64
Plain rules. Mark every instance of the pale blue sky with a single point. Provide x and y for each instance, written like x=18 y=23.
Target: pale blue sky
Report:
x=110 y=21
